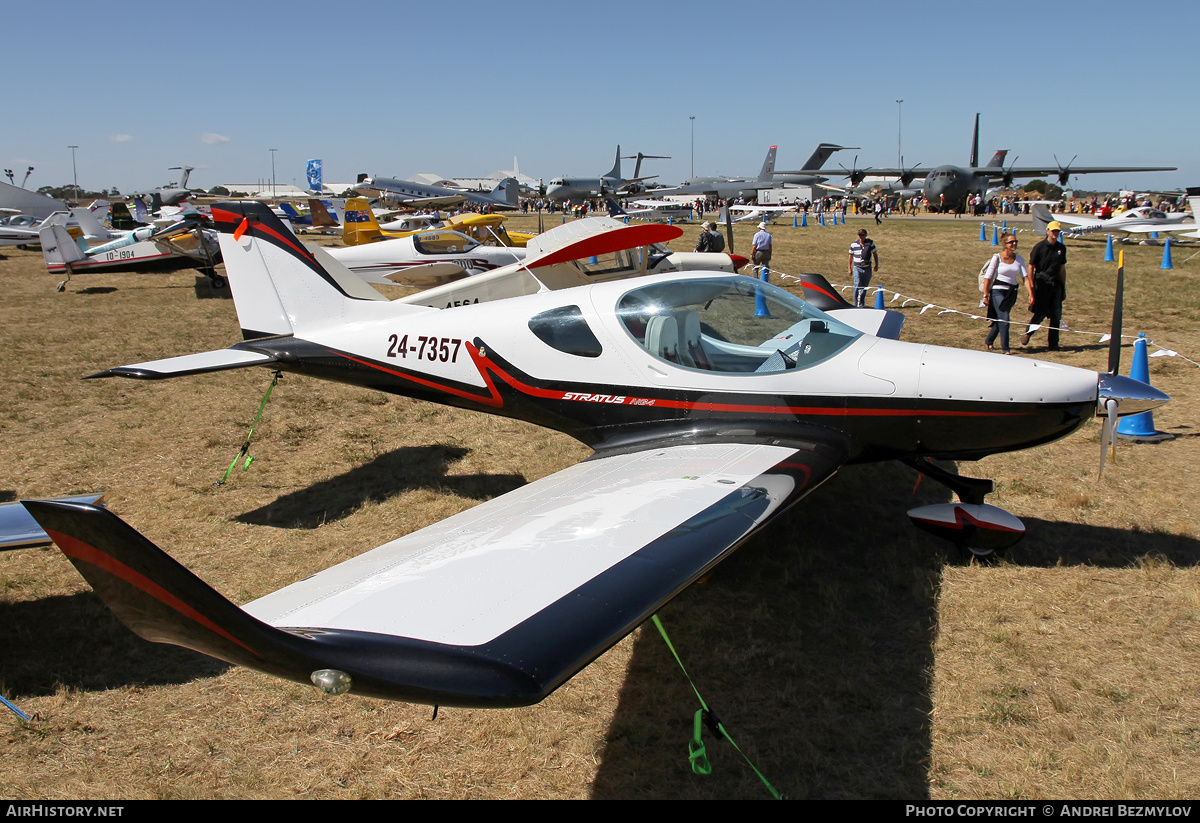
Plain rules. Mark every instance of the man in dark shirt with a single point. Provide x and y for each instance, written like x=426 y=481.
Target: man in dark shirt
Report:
x=1048 y=265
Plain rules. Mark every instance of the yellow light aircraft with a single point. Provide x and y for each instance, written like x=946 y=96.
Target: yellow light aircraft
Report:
x=360 y=226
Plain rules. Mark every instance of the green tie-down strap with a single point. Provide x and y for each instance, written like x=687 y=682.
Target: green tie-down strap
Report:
x=244 y=451
x=706 y=717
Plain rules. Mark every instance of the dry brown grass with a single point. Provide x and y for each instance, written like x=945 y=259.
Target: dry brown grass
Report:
x=849 y=655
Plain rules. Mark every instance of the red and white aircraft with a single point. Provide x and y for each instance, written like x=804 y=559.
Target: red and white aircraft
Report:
x=713 y=401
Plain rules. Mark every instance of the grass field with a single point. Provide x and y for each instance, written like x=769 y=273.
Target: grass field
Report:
x=848 y=654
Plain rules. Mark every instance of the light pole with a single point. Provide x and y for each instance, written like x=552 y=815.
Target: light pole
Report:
x=273 y=173
x=693 y=119
x=74 y=172
x=899 y=152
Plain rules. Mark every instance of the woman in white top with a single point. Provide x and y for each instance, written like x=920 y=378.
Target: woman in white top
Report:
x=1004 y=275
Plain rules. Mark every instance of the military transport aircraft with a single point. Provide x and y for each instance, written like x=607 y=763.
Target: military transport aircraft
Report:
x=606 y=185
x=713 y=402
x=747 y=188
x=949 y=186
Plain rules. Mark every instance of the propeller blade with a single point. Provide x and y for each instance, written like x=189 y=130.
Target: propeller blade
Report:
x=1114 y=344
x=1108 y=431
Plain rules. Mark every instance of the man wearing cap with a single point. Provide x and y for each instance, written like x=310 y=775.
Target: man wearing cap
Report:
x=1048 y=266
x=703 y=242
x=761 y=246
x=862 y=254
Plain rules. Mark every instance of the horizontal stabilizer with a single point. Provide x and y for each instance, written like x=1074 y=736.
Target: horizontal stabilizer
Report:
x=209 y=361
x=18 y=529
x=879 y=322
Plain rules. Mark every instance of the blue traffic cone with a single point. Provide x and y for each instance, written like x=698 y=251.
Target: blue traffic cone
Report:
x=593 y=261
x=804 y=220
x=794 y=218
x=760 y=299
x=879 y=298
x=564 y=218
x=1166 y=263
x=822 y=220
x=1153 y=235
x=1108 y=252
x=995 y=236
x=982 y=233
x=670 y=221
x=1004 y=224
x=1140 y=427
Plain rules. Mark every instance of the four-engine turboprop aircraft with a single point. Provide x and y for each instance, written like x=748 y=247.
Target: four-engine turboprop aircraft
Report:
x=951 y=185
x=713 y=402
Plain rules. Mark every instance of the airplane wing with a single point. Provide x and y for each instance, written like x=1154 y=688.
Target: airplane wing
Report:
x=494 y=607
x=997 y=172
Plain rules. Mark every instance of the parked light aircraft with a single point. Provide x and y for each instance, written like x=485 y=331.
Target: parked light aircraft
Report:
x=184 y=241
x=606 y=185
x=660 y=210
x=713 y=403
x=442 y=255
x=730 y=188
x=361 y=226
x=951 y=185
x=1140 y=220
x=748 y=214
x=506 y=195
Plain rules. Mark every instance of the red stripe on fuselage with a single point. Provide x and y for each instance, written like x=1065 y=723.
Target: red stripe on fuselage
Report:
x=494 y=399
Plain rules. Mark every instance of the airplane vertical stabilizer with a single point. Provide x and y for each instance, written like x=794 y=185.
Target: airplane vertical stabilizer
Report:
x=88 y=222
x=279 y=285
x=58 y=246
x=359 y=224
x=616 y=169
x=508 y=191
x=768 y=167
x=820 y=156
x=975 y=144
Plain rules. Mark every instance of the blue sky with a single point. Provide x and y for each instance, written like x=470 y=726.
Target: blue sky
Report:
x=459 y=88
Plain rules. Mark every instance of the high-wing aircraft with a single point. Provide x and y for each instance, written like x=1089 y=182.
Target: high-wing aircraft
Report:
x=747 y=188
x=505 y=196
x=951 y=185
x=713 y=402
x=171 y=194
x=606 y=185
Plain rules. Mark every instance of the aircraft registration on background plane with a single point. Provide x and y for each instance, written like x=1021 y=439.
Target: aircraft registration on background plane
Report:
x=713 y=402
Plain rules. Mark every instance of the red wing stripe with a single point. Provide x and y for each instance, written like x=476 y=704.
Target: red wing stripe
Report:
x=90 y=554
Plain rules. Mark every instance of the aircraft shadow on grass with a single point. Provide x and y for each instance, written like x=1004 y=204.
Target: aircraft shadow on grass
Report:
x=46 y=646
x=814 y=644
x=205 y=290
x=407 y=468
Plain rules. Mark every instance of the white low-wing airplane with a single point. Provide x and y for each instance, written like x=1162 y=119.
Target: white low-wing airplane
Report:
x=1141 y=220
x=748 y=214
x=713 y=402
